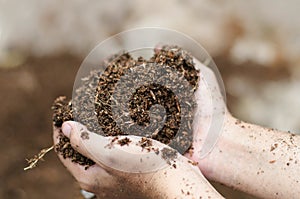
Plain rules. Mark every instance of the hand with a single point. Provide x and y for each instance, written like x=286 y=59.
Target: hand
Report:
x=175 y=178
x=246 y=157
x=209 y=118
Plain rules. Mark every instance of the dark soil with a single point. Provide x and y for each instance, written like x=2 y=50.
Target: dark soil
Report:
x=93 y=103
x=64 y=147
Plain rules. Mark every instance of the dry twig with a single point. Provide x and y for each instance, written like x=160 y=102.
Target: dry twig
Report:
x=33 y=161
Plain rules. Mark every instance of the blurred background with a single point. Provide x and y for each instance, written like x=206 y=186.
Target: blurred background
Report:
x=255 y=44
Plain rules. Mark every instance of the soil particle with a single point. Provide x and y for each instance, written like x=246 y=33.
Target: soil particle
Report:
x=238 y=121
x=273 y=147
x=145 y=142
x=124 y=141
x=85 y=135
x=114 y=139
x=193 y=162
x=292 y=138
x=272 y=161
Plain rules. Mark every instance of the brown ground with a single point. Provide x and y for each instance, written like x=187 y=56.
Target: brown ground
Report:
x=27 y=93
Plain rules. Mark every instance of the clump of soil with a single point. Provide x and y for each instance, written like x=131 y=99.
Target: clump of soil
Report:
x=124 y=141
x=95 y=99
x=64 y=147
x=145 y=142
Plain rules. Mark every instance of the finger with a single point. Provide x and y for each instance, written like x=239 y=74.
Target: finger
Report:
x=131 y=154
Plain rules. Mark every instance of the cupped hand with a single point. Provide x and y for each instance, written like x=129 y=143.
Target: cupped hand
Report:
x=124 y=171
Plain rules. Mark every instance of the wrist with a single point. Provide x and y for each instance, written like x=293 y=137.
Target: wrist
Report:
x=220 y=158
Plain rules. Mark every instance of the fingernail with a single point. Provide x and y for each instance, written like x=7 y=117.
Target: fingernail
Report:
x=66 y=129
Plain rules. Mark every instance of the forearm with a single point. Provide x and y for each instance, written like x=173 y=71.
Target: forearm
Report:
x=260 y=161
x=185 y=181
x=181 y=180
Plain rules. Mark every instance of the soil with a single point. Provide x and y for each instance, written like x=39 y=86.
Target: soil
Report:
x=124 y=141
x=99 y=87
x=64 y=147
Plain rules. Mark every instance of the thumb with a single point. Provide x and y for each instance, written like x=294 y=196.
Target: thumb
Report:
x=79 y=135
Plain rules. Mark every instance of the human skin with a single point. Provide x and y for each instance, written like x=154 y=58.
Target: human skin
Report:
x=184 y=181
x=260 y=161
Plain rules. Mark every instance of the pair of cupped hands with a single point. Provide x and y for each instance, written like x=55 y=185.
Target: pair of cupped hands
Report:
x=241 y=157
x=169 y=180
